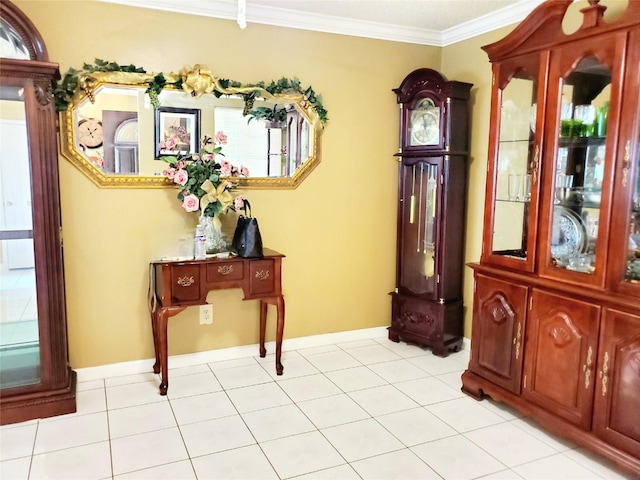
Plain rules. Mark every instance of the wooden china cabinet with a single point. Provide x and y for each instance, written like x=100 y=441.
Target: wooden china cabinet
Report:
x=427 y=305
x=35 y=377
x=556 y=314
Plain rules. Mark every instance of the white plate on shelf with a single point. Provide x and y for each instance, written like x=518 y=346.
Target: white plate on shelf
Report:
x=569 y=233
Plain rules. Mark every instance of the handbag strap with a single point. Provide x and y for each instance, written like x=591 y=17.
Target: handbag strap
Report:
x=247 y=208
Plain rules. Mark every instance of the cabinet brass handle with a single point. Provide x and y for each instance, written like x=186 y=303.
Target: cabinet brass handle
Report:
x=516 y=340
x=586 y=368
x=625 y=163
x=186 y=281
x=604 y=374
x=534 y=165
x=225 y=269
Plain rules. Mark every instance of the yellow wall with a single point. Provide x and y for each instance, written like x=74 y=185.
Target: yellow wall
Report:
x=337 y=229
x=466 y=61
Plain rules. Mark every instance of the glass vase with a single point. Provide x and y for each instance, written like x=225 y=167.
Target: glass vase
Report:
x=215 y=241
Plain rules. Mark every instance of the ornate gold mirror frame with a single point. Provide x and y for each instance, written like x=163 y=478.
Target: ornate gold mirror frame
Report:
x=78 y=87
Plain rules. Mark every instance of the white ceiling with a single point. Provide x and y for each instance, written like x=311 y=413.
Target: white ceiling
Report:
x=425 y=22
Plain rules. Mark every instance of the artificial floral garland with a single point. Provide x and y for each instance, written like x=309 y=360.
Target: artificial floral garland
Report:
x=196 y=80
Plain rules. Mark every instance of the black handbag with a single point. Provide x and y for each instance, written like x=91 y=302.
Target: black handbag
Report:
x=247 y=241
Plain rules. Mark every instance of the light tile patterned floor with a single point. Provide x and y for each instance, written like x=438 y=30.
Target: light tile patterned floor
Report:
x=371 y=409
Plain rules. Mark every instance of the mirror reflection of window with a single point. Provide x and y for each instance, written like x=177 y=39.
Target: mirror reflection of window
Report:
x=126 y=147
x=276 y=156
x=246 y=141
x=305 y=147
x=292 y=148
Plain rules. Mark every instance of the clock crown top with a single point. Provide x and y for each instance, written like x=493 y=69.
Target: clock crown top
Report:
x=433 y=82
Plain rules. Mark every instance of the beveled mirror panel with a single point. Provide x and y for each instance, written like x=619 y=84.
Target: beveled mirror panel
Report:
x=112 y=126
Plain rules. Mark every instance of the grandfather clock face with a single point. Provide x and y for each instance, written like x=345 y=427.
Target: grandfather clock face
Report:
x=424 y=124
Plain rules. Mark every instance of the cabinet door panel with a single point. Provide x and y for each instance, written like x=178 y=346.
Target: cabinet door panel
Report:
x=499 y=313
x=561 y=351
x=617 y=398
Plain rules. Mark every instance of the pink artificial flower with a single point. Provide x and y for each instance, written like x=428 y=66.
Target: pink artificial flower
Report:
x=169 y=144
x=190 y=203
x=169 y=173
x=221 y=138
x=238 y=203
x=244 y=171
x=225 y=169
x=181 y=177
x=180 y=165
x=207 y=157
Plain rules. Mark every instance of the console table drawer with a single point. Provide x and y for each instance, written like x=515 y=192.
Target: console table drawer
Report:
x=185 y=283
x=262 y=276
x=224 y=272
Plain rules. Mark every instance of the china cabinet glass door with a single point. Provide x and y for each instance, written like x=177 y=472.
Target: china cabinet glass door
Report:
x=632 y=270
x=516 y=152
x=579 y=162
x=624 y=264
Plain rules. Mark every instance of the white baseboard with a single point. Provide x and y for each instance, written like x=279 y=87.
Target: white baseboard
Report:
x=231 y=353
x=198 y=358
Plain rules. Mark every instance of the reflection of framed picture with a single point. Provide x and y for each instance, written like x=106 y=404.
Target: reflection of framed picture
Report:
x=183 y=124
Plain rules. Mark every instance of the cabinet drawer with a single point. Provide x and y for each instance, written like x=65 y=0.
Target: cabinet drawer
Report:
x=224 y=272
x=185 y=283
x=262 y=277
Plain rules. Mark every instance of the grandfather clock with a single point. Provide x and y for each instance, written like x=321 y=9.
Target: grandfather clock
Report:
x=427 y=306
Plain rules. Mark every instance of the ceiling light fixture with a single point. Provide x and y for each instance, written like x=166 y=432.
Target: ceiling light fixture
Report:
x=242 y=14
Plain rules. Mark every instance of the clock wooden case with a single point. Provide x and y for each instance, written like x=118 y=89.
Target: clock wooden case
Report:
x=427 y=307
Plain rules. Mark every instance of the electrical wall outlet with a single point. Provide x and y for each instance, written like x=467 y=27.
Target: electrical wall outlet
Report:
x=206 y=314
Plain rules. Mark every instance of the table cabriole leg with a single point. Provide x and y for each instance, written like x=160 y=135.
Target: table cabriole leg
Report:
x=263 y=327
x=162 y=319
x=156 y=346
x=279 y=333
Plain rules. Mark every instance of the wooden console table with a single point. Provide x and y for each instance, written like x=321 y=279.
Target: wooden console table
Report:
x=175 y=285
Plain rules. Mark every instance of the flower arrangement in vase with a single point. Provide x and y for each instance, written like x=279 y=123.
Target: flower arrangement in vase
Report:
x=206 y=185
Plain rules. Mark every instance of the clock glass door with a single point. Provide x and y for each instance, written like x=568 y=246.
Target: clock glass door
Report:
x=418 y=266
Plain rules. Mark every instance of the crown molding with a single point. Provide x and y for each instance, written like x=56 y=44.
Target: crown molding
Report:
x=279 y=17
x=487 y=23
